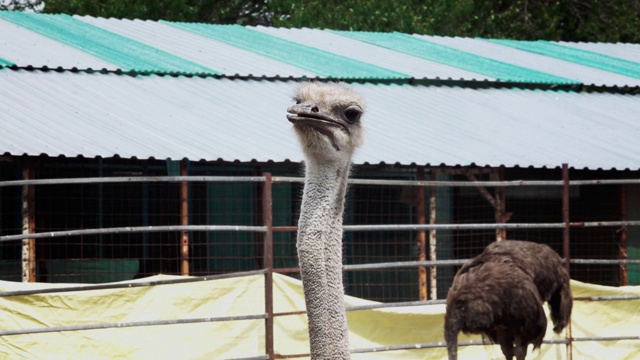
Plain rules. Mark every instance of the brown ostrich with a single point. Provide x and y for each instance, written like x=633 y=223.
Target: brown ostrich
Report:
x=500 y=295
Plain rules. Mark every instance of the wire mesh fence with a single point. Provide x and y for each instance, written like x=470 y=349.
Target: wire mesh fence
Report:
x=69 y=195
x=97 y=221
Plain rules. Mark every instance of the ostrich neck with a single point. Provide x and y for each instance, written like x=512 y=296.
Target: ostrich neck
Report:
x=320 y=255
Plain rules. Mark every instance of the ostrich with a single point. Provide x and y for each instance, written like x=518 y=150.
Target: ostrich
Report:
x=326 y=119
x=500 y=294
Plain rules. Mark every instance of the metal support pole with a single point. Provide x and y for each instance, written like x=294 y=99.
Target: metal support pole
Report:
x=624 y=279
x=184 y=220
x=28 y=224
x=565 y=242
x=422 y=236
x=500 y=209
x=267 y=218
x=433 y=281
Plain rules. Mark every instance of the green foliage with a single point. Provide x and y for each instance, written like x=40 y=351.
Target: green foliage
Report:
x=570 y=20
x=21 y=5
x=245 y=12
x=585 y=20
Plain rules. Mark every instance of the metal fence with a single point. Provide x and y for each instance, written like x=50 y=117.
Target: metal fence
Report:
x=247 y=226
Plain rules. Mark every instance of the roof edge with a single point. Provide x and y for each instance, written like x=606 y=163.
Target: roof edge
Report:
x=460 y=83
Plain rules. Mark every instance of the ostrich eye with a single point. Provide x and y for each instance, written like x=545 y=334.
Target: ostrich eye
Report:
x=297 y=101
x=352 y=115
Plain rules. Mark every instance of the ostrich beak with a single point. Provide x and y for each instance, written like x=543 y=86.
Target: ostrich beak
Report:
x=309 y=114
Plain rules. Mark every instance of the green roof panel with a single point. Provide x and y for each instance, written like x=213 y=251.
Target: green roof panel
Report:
x=4 y=62
x=425 y=49
x=121 y=51
x=578 y=56
x=318 y=61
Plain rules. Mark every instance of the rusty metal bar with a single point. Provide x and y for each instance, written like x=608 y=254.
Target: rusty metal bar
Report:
x=500 y=210
x=131 y=179
x=284 y=228
x=565 y=243
x=289 y=313
x=290 y=270
x=511 y=183
x=292 y=356
x=422 y=236
x=605 y=261
x=184 y=220
x=128 y=324
x=624 y=279
x=286 y=179
x=131 y=284
x=401 y=264
x=28 y=224
x=433 y=281
x=134 y=229
x=267 y=219
x=403 y=227
x=607 y=298
x=443 y=301
x=454 y=262
x=395 y=305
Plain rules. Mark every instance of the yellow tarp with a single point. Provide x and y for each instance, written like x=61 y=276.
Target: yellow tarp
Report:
x=245 y=338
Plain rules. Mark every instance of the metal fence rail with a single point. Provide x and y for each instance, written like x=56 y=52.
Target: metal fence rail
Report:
x=290 y=179
x=393 y=227
x=130 y=324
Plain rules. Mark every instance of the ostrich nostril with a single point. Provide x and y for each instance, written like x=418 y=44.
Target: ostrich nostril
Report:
x=315 y=109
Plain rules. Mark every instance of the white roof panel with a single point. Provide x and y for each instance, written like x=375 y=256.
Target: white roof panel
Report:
x=106 y=115
x=625 y=51
x=25 y=47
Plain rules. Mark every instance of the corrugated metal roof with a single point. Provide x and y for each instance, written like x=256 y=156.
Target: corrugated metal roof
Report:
x=119 y=50
x=86 y=42
x=85 y=114
x=359 y=50
x=19 y=45
x=423 y=48
x=225 y=58
x=546 y=64
x=82 y=113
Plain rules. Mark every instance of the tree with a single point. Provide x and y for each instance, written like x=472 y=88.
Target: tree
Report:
x=244 y=12
x=21 y=5
x=569 y=20
x=584 y=20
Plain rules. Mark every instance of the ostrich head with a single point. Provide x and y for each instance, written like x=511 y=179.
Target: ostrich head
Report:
x=326 y=118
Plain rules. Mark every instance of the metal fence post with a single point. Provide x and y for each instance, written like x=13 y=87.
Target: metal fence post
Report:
x=565 y=242
x=624 y=276
x=433 y=283
x=267 y=216
x=28 y=224
x=422 y=236
x=184 y=220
